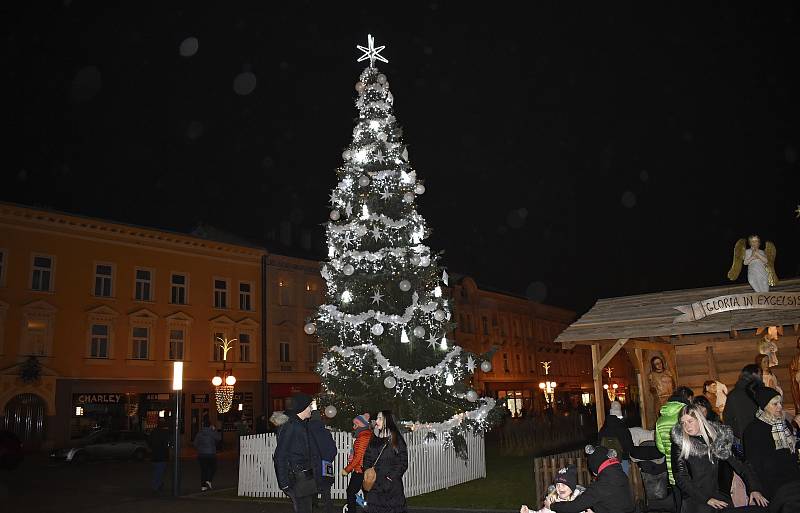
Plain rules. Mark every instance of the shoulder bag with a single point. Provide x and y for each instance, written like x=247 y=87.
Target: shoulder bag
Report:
x=370 y=475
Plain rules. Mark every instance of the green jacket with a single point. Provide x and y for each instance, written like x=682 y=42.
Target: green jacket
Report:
x=668 y=418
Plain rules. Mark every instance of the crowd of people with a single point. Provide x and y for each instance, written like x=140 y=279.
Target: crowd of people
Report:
x=743 y=457
x=306 y=450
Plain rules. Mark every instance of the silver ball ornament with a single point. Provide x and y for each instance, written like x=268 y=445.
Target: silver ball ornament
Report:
x=438 y=315
x=419 y=189
x=414 y=259
x=346 y=154
x=382 y=137
x=381 y=78
x=310 y=328
x=348 y=270
x=486 y=366
x=360 y=87
x=408 y=197
x=330 y=411
x=389 y=382
x=335 y=215
x=425 y=261
x=363 y=180
x=472 y=396
x=419 y=332
x=405 y=285
x=377 y=329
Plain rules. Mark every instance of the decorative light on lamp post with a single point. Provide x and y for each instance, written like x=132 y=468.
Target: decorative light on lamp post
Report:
x=224 y=380
x=548 y=387
x=177 y=386
x=611 y=391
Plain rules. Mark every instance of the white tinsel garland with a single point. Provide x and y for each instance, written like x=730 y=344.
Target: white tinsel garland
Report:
x=479 y=415
x=398 y=373
x=358 y=319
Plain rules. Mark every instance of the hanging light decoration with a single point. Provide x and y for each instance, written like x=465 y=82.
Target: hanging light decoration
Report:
x=224 y=380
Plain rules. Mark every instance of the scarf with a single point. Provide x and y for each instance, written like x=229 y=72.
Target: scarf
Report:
x=783 y=437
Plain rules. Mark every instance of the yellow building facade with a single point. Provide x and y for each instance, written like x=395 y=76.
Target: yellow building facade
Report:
x=104 y=309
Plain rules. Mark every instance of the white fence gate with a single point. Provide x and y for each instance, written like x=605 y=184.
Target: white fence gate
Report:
x=430 y=468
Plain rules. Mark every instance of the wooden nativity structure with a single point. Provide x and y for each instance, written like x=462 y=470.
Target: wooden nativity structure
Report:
x=713 y=334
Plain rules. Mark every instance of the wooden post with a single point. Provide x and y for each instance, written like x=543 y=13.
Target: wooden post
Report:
x=712 y=363
x=644 y=388
x=600 y=403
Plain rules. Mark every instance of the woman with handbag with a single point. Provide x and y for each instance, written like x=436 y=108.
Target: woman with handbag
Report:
x=385 y=462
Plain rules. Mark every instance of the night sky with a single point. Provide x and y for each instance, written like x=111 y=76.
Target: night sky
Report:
x=570 y=152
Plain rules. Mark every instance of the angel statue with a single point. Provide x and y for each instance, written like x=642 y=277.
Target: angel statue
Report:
x=760 y=265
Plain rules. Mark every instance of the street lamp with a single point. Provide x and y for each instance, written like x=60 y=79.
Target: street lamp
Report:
x=548 y=387
x=224 y=380
x=177 y=386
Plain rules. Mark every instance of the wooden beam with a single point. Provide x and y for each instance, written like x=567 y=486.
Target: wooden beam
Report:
x=567 y=345
x=712 y=363
x=652 y=346
x=599 y=401
x=598 y=366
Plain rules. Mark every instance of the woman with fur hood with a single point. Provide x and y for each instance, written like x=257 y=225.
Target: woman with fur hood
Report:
x=698 y=446
x=565 y=488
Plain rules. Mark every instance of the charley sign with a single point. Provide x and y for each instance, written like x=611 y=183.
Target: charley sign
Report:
x=719 y=304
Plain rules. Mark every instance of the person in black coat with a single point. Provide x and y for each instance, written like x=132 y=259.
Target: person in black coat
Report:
x=388 y=453
x=323 y=449
x=770 y=445
x=698 y=446
x=740 y=408
x=158 y=441
x=292 y=458
x=609 y=493
x=616 y=428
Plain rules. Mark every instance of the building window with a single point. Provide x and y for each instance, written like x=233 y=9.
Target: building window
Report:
x=245 y=296
x=485 y=322
x=178 y=288
x=284 y=293
x=220 y=293
x=141 y=343
x=3 y=264
x=99 y=343
x=244 y=347
x=218 y=337
x=505 y=363
x=42 y=273
x=144 y=285
x=176 y=340
x=313 y=355
x=284 y=349
x=311 y=296
x=103 y=280
x=518 y=364
x=36 y=336
x=531 y=368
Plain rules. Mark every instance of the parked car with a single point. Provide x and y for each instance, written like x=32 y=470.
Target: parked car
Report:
x=10 y=450
x=105 y=445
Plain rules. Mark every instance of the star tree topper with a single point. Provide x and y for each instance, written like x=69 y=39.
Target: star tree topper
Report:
x=370 y=52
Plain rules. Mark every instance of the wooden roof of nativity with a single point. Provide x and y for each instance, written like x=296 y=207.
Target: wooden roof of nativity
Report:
x=653 y=315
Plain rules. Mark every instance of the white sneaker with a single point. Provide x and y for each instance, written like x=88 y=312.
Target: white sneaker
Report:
x=208 y=484
x=203 y=488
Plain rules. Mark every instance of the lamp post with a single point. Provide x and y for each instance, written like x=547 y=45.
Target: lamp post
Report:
x=177 y=386
x=611 y=391
x=224 y=380
x=548 y=387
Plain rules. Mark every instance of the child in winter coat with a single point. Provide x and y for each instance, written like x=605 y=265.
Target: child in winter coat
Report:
x=362 y=434
x=565 y=487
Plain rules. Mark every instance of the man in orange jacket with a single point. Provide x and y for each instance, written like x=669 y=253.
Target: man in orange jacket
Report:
x=363 y=435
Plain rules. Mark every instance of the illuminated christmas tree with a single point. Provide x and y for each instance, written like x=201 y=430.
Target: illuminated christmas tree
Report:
x=386 y=326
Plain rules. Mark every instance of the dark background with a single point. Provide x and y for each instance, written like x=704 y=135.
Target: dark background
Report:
x=570 y=152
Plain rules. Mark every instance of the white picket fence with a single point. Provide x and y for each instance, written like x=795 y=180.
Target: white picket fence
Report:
x=430 y=468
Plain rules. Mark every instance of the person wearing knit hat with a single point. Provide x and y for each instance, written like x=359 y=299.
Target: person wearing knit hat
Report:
x=615 y=435
x=610 y=492
x=355 y=460
x=565 y=487
x=770 y=449
x=294 y=462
